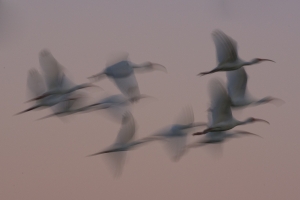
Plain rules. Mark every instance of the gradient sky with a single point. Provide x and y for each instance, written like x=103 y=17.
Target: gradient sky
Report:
x=46 y=159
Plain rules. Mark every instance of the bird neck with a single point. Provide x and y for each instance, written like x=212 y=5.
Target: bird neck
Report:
x=247 y=121
x=251 y=62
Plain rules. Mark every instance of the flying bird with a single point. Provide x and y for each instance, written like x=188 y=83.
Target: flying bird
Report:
x=36 y=86
x=216 y=139
x=52 y=87
x=122 y=74
x=123 y=142
x=238 y=92
x=56 y=78
x=175 y=135
x=227 y=54
x=222 y=119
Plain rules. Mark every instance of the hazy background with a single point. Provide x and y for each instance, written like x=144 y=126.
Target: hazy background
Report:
x=46 y=159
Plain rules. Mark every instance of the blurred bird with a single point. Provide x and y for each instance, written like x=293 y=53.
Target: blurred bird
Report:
x=216 y=139
x=122 y=74
x=222 y=119
x=36 y=85
x=55 y=77
x=220 y=136
x=71 y=106
x=175 y=136
x=227 y=54
x=237 y=90
x=123 y=142
x=54 y=87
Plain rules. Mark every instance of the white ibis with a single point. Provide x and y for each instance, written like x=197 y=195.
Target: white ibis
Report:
x=221 y=136
x=175 y=135
x=216 y=139
x=122 y=74
x=36 y=85
x=222 y=119
x=227 y=54
x=238 y=92
x=123 y=142
x=57 y=82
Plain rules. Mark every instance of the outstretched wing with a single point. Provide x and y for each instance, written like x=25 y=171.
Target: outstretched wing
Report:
x=53 y=71
x=237 y=83
x=237 y=86
x=226 y=47
x=220 y=102
x=186 y=116
x=127 y=131
x=35 y=83
x=128 y=86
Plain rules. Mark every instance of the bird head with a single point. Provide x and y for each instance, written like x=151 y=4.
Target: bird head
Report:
x=149 y=66
x=252 y=120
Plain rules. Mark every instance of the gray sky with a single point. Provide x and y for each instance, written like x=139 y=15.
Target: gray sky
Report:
x=46 y=159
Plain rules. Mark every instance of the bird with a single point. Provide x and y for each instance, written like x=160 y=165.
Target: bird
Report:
x=227 y=54
x=238 y=92
x=69 y=107
x=53 y=87
x=220 y=136
x=122 y=74
x=116 y=105
x=36 y=86
x=175 y=135
x=123 y=142
x=220 y=110
x=56 y=78
x=216 y=139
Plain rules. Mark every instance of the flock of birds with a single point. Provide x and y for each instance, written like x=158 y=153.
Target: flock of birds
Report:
x=55 y=90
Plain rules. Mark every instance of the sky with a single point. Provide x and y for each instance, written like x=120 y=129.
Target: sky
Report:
x=46 y=159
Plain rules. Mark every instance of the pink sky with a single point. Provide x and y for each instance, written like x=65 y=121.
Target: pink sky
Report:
x=46 y=159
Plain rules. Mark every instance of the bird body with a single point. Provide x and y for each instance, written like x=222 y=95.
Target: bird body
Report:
x=238 y=92
x=53 y=87
x=175 y=136
x=122 y=74
x=123 y=142
x=219 y=137
x=220 y=115
x=227 y=55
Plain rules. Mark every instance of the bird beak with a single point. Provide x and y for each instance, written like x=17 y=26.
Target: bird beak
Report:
x=31 y=100
x=267 y=60
x=36 y=98
x=261 y=120
x=277 y=101
x=159 y=67
x=199 y=133
x=94 y=86
x=247 y=133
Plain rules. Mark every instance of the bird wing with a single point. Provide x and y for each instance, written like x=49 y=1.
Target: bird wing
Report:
x=175 y=146
x=128 y=86
x=127 y=131
x=226 y=47
x=220 y=102
x=186 y=116
x=237 y=83
x=66 y=83
x=35 y=83
x=53 y=71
